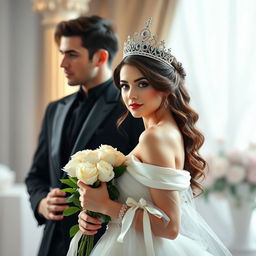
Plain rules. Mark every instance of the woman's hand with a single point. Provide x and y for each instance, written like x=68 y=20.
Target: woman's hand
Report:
x=87 y=224
x=93 y=199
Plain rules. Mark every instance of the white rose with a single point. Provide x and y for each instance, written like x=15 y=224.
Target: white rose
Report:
x=120 y=158
x=106 y=172
x=88 y=155
x=87 y=173
x=107 y=148
x=108 y=156
x=219 y=167
x=70 y=167
x=111 y=155
x=235 y=174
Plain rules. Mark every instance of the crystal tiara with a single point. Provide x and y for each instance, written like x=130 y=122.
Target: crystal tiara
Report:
x=144 y=44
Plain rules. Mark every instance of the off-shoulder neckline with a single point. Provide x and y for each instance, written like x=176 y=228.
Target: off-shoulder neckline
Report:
x=133 y=157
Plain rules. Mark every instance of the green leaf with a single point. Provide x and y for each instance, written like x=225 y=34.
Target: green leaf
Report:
x=74 y=179
x=73 y=230
x=70 y=182
x=112 y=191
x=119 y=171
x=74 y=199
x=70 y=198
x=71 y=210
x=77 y=203
x=76 y=194
x=69 y=190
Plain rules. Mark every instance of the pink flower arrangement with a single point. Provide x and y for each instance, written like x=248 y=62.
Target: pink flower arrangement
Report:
x=228 y=169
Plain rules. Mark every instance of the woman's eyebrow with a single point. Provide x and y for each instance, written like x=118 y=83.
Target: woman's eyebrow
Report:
x=136 y=80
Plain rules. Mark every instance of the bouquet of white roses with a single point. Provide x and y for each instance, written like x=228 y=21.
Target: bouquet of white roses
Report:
x=92 y=167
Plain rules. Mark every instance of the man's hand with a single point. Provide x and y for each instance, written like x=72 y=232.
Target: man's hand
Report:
x=51 y=206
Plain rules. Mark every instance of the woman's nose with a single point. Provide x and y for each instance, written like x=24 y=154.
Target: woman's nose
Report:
x=133 y=94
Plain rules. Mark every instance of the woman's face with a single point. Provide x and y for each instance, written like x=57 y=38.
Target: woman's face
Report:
x=140 y=98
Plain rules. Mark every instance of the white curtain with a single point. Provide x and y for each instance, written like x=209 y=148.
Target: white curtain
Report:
x=215 y=40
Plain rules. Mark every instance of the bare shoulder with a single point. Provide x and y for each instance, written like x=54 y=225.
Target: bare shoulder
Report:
x=162 y=147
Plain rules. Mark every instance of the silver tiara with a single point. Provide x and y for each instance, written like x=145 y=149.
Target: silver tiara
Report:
x=144 y=44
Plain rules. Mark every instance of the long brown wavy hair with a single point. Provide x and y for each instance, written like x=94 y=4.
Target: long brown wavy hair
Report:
x=171 y=80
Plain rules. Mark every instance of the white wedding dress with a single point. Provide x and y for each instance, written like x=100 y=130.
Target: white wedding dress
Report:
x=195 y=238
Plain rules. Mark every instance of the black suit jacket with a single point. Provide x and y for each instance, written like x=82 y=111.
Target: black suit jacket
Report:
x=98 y=128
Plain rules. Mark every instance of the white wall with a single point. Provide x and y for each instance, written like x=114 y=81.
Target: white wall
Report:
x=20 y=46
x=4 y=84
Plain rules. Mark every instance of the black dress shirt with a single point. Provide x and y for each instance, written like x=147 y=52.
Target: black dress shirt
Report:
x=76 y=117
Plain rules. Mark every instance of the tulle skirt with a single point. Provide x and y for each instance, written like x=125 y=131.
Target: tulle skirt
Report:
x=134 y=244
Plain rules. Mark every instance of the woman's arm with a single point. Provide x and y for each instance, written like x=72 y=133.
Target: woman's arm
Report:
x=155 y=152
x=168 y=202
x=97 y=200
x=165 y=151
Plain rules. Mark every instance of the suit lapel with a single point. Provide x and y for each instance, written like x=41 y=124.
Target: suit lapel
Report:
x=96 y=116
x=58 y=124
x=103 y=106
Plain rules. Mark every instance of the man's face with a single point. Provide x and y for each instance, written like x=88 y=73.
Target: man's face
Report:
x=77 y=67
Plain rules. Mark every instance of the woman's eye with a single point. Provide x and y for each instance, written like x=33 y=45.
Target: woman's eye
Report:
x=124 y=86
x=143 y=84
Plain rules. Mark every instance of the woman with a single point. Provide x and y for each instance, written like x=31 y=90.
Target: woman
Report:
x=158 y=218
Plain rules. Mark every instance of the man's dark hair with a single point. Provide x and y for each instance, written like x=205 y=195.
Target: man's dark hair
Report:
x=96 y=33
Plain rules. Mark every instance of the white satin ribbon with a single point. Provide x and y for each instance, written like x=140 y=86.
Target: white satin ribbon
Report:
x=128 y=219
x=72 y=251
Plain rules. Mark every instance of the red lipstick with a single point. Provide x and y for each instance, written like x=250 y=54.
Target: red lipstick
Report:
x=135 y=106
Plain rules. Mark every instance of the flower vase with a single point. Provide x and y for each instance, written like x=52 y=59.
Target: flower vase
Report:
x=244 y=240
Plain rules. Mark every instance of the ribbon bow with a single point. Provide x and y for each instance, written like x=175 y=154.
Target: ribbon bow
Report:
x=128 y=219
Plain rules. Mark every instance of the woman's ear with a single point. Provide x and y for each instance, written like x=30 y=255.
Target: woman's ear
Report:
x=100 y=57
x=165 y=102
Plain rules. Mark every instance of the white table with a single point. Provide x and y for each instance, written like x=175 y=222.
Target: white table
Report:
x=19 y=233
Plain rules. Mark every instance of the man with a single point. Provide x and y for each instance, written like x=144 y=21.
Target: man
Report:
x=83 y=120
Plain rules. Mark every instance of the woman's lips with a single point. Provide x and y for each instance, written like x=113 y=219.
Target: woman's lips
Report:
x=135 y=106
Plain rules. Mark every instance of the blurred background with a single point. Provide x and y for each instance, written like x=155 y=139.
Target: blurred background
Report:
x=215 y=41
